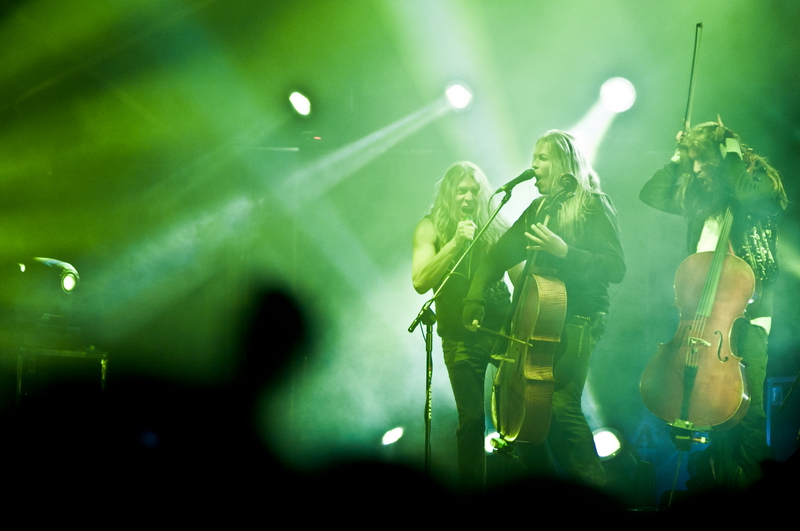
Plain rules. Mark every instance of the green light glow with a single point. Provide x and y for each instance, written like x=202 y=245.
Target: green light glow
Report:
x=606 y=443
x=300 y=103
x=151 y=140
x=68 y=282
x=392 y=436
x=458 y=96
x=618 y=94
x=487 y=442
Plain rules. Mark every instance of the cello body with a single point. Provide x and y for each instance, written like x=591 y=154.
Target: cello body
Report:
x=522 y=397
x=697 y=377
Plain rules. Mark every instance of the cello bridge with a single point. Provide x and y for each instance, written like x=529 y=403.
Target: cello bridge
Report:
x=695 y=341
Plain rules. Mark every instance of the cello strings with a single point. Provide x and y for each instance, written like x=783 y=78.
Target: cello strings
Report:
x=706 y=302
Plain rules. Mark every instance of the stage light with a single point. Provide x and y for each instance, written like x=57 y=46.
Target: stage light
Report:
x=487 y=442
x=392 y=436
x=300 y=103
x=68 y=282
x=69 y=275
x=608 y=443
x=618 y=94
x=628 y=477
x=458 y=95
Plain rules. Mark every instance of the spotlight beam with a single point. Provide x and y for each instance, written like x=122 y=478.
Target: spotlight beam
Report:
x=617 y=95
x=319 y=177
x=592 y=128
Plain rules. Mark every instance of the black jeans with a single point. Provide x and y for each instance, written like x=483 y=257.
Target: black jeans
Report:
x=466 y=365
x=570 y=440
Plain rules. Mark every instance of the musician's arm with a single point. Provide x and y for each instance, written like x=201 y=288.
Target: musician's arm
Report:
x=427 y=265
x=515 y=274
x=754 y=191
x=504 y=255
x=659 y=191
x=603 y=256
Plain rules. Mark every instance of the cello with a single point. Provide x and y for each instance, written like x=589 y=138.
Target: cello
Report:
x=523 y=387
x=696 y=381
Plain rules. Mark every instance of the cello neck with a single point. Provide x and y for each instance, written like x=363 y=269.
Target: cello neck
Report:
x=712 y=279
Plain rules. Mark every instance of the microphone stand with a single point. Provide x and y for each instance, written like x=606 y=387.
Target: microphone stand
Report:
x=427 y=317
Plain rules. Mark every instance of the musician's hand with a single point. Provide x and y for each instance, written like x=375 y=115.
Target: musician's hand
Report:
x=465 y=232
x=728 y=142
x=543 y=239
x=731 y=146
x=676 y=157
x=473 y=313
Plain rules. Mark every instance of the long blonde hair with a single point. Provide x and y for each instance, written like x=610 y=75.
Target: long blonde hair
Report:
x=566 y=156
x=446 y=212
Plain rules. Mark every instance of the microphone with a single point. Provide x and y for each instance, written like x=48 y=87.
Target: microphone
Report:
x=527 y=175
x=471 y=219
